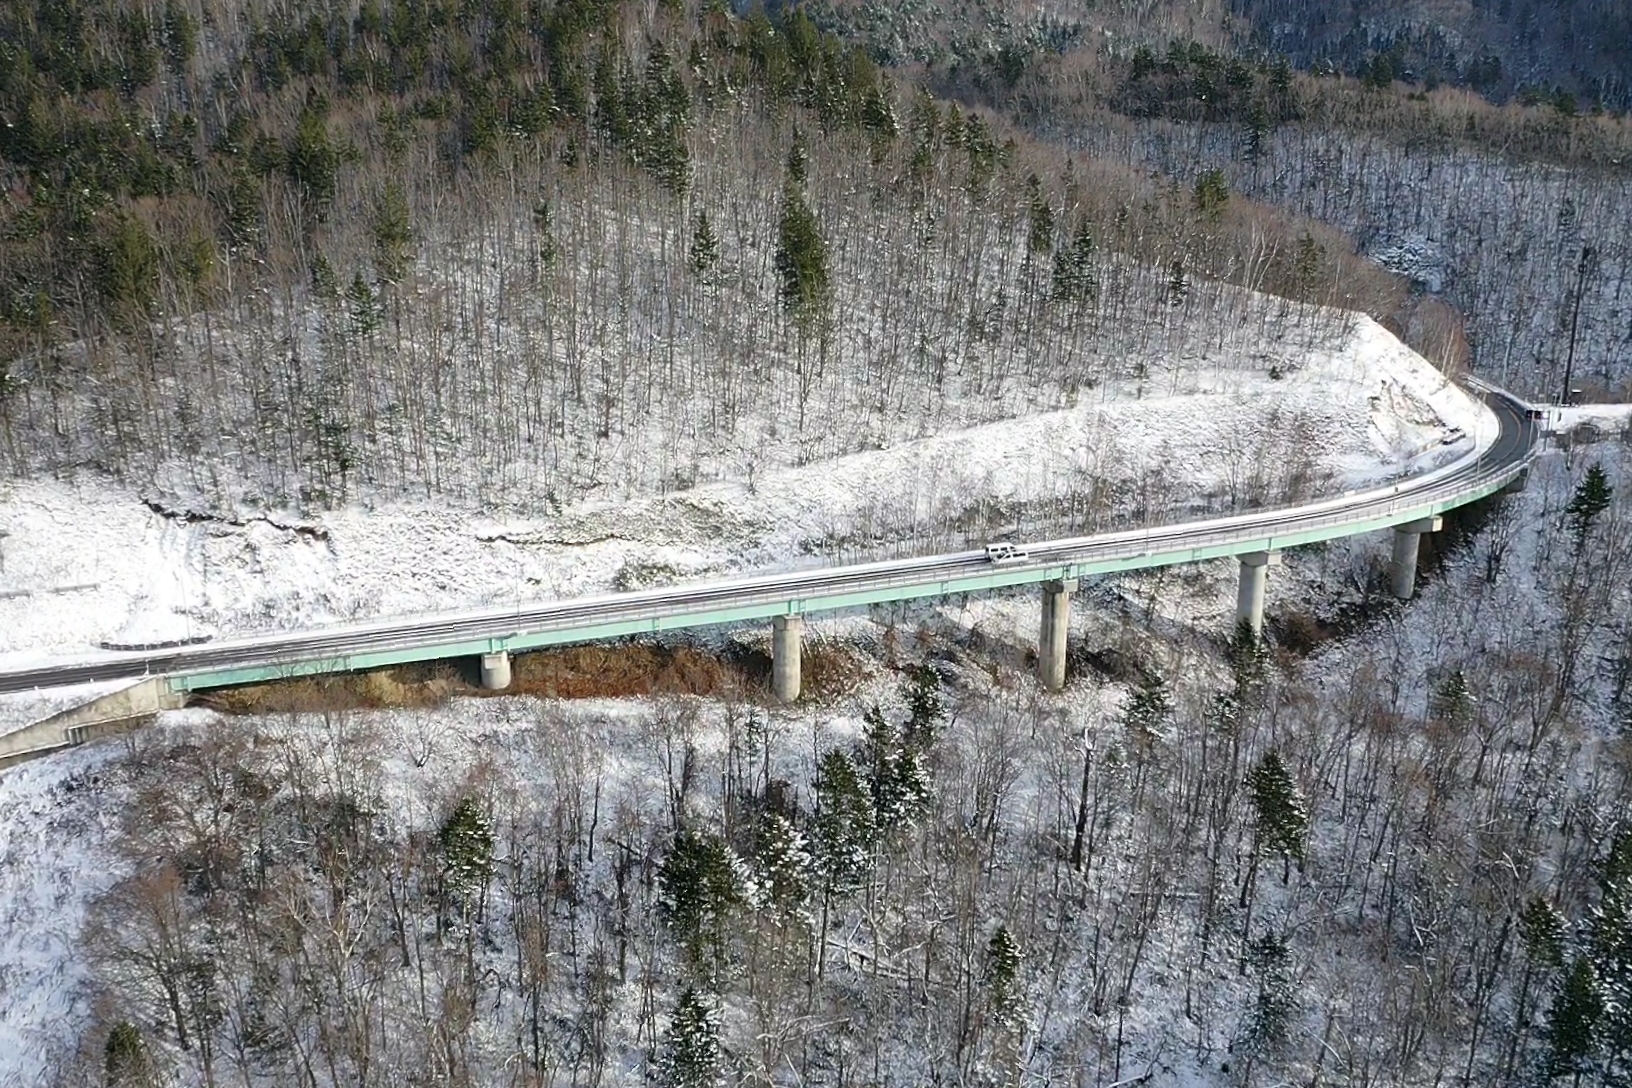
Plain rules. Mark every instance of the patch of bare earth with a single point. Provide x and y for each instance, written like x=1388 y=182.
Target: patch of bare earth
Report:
x=595 y=671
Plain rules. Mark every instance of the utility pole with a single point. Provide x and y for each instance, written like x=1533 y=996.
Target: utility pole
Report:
x=1588 y=254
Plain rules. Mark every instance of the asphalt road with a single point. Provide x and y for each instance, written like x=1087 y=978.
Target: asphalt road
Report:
x=1511 y=450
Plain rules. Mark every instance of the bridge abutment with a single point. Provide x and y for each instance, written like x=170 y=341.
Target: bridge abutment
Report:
x=496 y=671
x=1402 y=569
x=1051 y=637
x=787 y=637
x=1249 y=594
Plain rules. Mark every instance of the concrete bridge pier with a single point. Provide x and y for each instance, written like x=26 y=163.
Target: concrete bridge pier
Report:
x=1051 y=637
x=496 y=671
x=787 y=633
x=1249 y=595
x=1402 y=569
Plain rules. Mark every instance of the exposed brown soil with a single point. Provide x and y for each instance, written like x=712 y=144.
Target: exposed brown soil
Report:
x=595 y=671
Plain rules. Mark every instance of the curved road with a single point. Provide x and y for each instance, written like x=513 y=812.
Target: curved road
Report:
x=340 y=647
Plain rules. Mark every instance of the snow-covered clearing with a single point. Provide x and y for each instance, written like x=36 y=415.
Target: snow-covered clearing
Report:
x=85 y=564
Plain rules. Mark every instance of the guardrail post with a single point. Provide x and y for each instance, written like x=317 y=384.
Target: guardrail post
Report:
x=787 y=633
x=496 y=671
x=1051 y=638
x=1402 y=569
x=1249 y=595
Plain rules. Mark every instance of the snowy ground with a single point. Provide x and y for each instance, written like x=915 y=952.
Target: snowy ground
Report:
x=1612 y=419
x=57 y=817
x=85 y=565
x=57 y=823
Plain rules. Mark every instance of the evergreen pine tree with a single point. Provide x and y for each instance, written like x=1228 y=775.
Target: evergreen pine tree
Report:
x=1224 y=713
x=392 y=233
x=1572 y=1022
x=1283 y=818
x=1148 y=713
x=1001 y=973
x=953 y=128
x=125 y=1061
x=611 y=109
x=924 y=127
x=1178 y=283
x=895 y=776
x=1306 y=263
x=982 y=152
x=1257 y=126
x=466 y=839
x=705 y=247
x=784 y=862
x=1452 y=702
x=1270 y=1021
x=325 y=285
x=798 y=160
x=365 y=308
x=543 y=224
x=128 y=270
x=664 y=121
x=1040 y=234
x=691 y=1046
x=1074 y=277
x=925 y=710
x=242 y=204
x=1609 y=945
x=1543 y=930
x=312 y=161
x=1591 y=499
x=1212 y=194
x=700 y=885
x=665 y=92
x=180 y=37
x=878 y=119
x=801 y=260
x=1249 y=665
x=843 y=829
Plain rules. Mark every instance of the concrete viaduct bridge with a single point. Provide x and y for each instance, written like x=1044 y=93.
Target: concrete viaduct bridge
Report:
x=1410 y=508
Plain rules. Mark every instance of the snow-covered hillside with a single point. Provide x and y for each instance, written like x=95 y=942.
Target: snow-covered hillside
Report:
x=1165 y=950
x=89 y=564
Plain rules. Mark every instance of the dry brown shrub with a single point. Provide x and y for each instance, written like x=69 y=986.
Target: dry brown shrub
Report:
x=592 y=671
x=1301 y=633
x=832 y=668
x=626 y=670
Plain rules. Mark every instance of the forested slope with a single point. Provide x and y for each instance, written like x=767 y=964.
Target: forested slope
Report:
x=537 y=254
x=1531 y=48
x=291 y=255
x=1401 y=859
x=1511 y=213
x=1573 y=53
x=1535 y=254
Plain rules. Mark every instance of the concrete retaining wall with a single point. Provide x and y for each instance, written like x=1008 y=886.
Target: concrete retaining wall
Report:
x=78 y=724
